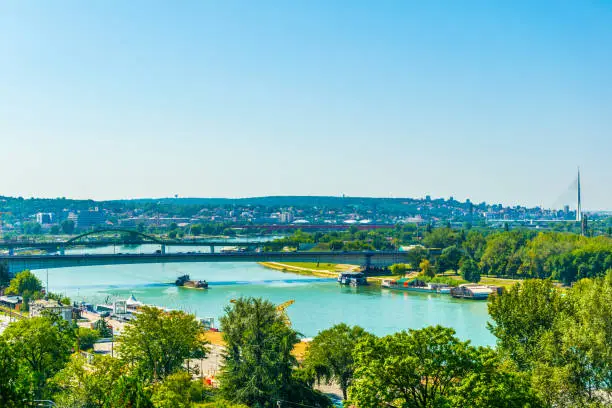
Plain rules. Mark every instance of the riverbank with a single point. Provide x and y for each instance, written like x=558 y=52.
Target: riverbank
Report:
x=310 y=269
x=324 y=270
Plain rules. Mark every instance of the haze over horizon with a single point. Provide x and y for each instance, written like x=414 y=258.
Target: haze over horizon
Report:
x=496 y=102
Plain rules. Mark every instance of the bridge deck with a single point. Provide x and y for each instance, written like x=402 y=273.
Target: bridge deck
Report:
x=18 y=263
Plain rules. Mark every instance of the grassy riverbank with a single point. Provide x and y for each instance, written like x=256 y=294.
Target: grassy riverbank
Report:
x=323 y=270
x=486 y=280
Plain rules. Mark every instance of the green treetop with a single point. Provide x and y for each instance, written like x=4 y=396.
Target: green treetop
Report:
x=330 y=354
x=158 y=342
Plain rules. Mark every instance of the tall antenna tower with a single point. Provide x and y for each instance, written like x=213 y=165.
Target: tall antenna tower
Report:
x=579 y=206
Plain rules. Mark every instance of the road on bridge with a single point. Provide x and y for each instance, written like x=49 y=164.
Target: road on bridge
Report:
x=17 y=263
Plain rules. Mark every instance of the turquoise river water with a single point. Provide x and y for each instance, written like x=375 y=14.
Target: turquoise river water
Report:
x=319 y=302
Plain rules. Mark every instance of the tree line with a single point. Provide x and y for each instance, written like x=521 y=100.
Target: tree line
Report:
x=520 y=253
x=554 y=349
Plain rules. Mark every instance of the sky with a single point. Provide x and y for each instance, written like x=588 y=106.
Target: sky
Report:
x=493 y=101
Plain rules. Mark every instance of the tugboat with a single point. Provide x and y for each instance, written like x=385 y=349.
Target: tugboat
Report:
x=186 y=282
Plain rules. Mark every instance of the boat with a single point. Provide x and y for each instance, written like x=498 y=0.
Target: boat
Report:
x=472 y=291
x=416 y=285
x=352 y=279
x=184 y=281
x=409 y=284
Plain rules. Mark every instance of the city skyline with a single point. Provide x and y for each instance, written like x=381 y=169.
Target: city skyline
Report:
x=492 y=102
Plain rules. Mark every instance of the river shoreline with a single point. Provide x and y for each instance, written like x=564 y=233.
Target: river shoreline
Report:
x=323 y=273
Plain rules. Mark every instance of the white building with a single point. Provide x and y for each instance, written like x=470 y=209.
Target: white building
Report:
x=44 y=218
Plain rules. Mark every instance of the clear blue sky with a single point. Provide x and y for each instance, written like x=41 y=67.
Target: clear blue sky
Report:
x=488 y=100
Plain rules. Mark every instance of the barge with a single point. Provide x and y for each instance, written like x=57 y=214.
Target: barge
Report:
x=415 y=285
x=184 y=281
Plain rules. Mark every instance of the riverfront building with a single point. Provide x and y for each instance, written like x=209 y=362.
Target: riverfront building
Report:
x=40 y=306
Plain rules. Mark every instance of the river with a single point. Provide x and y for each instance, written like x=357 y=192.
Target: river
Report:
x=319 y=302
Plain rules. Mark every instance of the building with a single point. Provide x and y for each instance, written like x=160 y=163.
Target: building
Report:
x=286 y=217
x=41 y=306
x=87 y=219
x=44 y=218
x=12 y=302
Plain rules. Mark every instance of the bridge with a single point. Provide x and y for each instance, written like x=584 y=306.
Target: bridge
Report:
x=127 y=237
x=17 y=263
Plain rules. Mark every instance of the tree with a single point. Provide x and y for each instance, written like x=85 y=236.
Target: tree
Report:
x=336 y=245
x=258 y=364
x=25 y=282
x=131 y=391
x=41 y=345
x=562 y=342
x=522 y=316
x=474 y=245
x=196 y=229
x=86 y=338
x=449 y=259
x=68 y=227
x=158 y=342
x=494 y=383
x=416 y=255
x=587 y=337
x=469 y=270
x=440 y=238
x=172 y=234
x=221 y=403
x=418 y=368
x=11 y=389
x=64 y=300
x=103 y=328
x=88 y=385
x=330 y=354
x=173 y=391
x=398 y=269
x=573 y=366
x=31 y=228
x=426 y=268
x=497 y=253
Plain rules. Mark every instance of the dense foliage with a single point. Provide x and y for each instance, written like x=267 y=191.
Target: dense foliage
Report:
x=514 y=254
x=564 y=342
x=41 y=347
x=554 y=349
x=330 y=355
x=24 y=283
x=258 y=367
x=432 y=368
x=158 y=342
